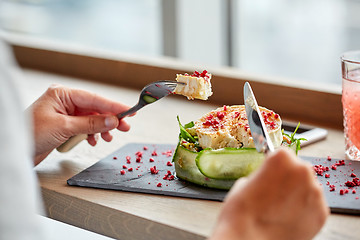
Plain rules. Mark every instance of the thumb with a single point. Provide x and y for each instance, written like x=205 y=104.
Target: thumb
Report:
x=92 y=124
x=236 y=188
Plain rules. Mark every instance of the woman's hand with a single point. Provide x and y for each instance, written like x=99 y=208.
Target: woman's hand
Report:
x=282 y=200
x=63 y=112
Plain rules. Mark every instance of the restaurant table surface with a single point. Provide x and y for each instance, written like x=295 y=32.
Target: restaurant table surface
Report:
x=126 y=215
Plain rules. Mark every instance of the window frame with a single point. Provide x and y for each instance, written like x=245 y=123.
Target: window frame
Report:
x=318 y=105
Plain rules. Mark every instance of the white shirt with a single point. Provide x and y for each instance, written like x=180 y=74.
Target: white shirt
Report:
x=19 y=194
x=20 y=201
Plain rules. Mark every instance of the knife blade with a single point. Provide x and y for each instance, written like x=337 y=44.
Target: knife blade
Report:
x=257 y=126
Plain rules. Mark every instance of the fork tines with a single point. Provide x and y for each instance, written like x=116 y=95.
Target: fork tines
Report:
x=172 y=85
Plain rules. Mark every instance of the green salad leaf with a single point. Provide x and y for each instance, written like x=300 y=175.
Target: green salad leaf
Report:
x=192 y=140
x=185 y=134
x=294 y=141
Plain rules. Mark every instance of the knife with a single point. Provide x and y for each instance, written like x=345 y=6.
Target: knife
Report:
x=257 y=126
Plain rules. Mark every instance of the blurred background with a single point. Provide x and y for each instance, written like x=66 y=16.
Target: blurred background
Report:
x=298 y=39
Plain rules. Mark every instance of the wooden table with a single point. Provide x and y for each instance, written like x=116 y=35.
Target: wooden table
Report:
x=141 y=216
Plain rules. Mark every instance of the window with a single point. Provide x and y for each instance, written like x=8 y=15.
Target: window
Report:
x=300 y=39
x=116 y=25
x=297 y=39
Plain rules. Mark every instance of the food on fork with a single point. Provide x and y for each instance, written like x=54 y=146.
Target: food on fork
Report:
x=197 y=86
x=218 y=148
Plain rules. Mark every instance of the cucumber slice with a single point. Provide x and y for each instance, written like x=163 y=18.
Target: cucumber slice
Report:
x=186 y=169
x=228 y=163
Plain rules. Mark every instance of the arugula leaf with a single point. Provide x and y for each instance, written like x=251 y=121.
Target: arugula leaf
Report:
x=295 y=141
x=188 y=125
x=183 y=133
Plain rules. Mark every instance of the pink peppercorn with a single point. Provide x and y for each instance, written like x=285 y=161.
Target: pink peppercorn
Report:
x=153 y=170
x=122 y=172
x=139 y=154
x=168 y=153
x=169 y=176
x=203 y=74
x=159 y=184
x=236 y=114
x=353 y=175
x=220 y=115
x=169 y=164
x=340 y=163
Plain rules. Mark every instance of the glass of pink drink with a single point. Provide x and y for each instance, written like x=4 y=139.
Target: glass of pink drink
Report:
x=350 y=65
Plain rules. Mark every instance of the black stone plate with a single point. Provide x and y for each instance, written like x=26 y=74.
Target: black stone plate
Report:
x=106 y=174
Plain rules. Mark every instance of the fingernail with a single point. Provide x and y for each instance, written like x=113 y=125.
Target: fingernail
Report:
x=96 y=137
x=110 y=122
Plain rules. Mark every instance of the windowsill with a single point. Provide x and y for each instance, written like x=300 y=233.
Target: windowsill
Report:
x=318 y=104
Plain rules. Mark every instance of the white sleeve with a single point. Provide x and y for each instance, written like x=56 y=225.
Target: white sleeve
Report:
x=19 y=193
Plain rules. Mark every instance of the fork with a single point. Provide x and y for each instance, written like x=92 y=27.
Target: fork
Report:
x=149 y=94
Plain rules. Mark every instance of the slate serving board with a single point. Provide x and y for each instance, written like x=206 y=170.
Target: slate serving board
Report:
x=106 y=174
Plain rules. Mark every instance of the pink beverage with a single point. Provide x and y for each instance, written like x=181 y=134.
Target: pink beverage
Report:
x=351 y=103
x=351 y=109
